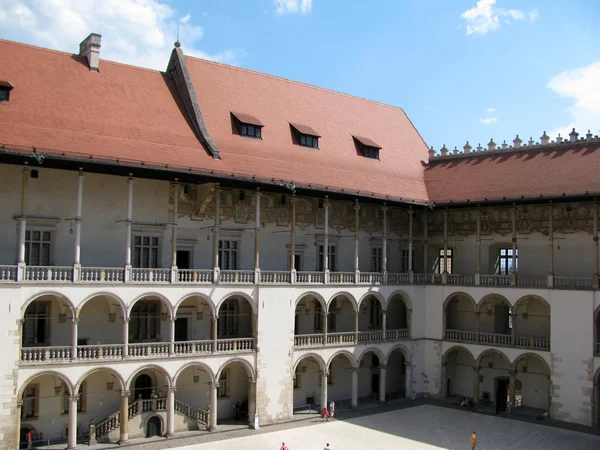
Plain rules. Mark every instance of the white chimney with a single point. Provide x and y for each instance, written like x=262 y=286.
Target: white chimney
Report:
x=90 y=48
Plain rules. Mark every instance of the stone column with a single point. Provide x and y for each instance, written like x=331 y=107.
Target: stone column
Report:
x=128 y=224
x=356 y=240
x=550 y=394
x=443 y=383
x=478 y=239
x=74 y=338
x=476 y=385
x=477 y=314
x=382 y=383
x=550 y=247
x=513 y=337
x=513 y=382
x=356 y=327
x=425 y=264
x=216 y=234
x=125 y=337
x=513 y=271
x=596 y=277
x=176 y=188
x=124 y=419
x=384 y=322
x=325 y=330
x=77 y=249
x=172 y=336
x=214 y=328
x=384 y=245
x=22 y=225
x=171 y=411
x=293 y=267
x=326 y=241
x=323 y=390
x=213 y=407
x=72 y=437
x=257 y=195
x=408 y=378
x=410 y=246
x=354 y=371
x=251 y=403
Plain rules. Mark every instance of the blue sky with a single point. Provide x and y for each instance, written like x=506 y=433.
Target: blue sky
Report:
x=461 y=69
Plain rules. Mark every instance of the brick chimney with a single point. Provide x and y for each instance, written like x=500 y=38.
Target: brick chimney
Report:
x=90 y=48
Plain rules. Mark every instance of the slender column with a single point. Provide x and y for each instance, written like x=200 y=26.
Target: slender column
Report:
x=124 y=419
x=214 y=325
x=408 y=376
x=410 y=245
x=445 y=260
x=478 y=238
x=216 y=233
x=19 y=421
x=425 y=264
x=550 y=247
x=325 y=330
x=171 y=411
x=213 y=407
x=22 y=225
x=383 y=322
x=176 y=188
x=382 y=383
x=77 y=250
x=512 y=394
x=444 y=383
x=293 y=267
x=125 y=337
x=356 y=327
x=172 y=335
x=128 y=223
x=596 y=277
x=356 y=240
x=513 y=271
x=550 y=394
x=513 y=338
x=477 y=314
x=257 y=238
x=74 y=338
x=384 y=243
x=476 y=385
x=323 y=390
x=252 y=416
x=326 y=241
x=72 y=438
x=354 y=371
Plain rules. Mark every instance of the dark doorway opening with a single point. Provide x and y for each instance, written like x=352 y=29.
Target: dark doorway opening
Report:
x=448 y=387
x=143 y=387
x=501 y=394
x=153 y=427
x=375 y=384
x=181 y=329
x=184 y=259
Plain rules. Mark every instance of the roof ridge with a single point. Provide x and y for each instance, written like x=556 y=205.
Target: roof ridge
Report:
x=301 y=83
x=61 y=52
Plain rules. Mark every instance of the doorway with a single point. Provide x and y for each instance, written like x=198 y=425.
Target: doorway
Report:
x=501 y=394
x=143 y=387
x=184 y=259
x=448 y=387
x=375 y=384
x=181 y=329
x=153 y=428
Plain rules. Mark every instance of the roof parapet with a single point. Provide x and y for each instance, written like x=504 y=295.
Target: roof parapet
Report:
x=517 y=144
x=90 y=48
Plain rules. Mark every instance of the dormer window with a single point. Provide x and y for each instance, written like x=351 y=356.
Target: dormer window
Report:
x=247 y=125
x=5 y=88
x=305 y=135
x=367 y=147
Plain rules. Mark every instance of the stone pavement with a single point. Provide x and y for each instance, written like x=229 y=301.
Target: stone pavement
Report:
x=419 y=427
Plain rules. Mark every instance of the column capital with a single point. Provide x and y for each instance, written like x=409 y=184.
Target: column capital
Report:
x=257 y=193
x=354 y=369
x=80 y=175
x=382 y=367
x=73 y=398
x=19 y=403
x=76 y=320
x=293 y=198
x=214 y=385
x=125 y=393
x=476 y=369
x=171 y=389
x=356 y=205
x=130 y=179
x=384 y=208
x=410 y=211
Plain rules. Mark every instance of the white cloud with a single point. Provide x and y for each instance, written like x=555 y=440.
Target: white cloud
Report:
x=137 y=32
x=292 y=6
x=485 y=17
x=491 y=110
x=489 y=120
x=580 y=85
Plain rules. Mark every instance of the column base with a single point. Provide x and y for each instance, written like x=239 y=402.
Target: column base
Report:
x=123 y=440
x=411 y=276
x=550 y=280
x=76 y=273
x=128 y=273
x=21 y=271
x=356 y=276
x=293 y=276
x=477 y=279
x=596 y=281
x=174 y=274
x=216 y=272
x=169 y=435
x=212 y=428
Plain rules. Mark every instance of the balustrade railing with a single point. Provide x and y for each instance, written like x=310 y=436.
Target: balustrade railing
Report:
x=498 y=339
x=94 y=352
x=308 y=340
x=153 y=404
x=45 y=354
x=395 y=335
x=342 y=277
x=235 y=345
x=195 y=275
x=341 y=338
x=153 y=275
x=193 y=347
x=494 y=280
x=573 y=283
x=199 y=415
x=275 y=277
x=370 y=277
x=236 y=276
x=8 y=273
x=310 y=277
x=398 y=278
x=460 y=335
x=102 y=275
x=370 y=336
x=532 y=281
x=536 y=343
x=49 y=273
x=148 y=349
x=495 y=339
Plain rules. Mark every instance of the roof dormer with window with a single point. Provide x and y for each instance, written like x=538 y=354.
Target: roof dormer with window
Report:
x=5 y=88
x=247 y=125
x=305 y=135
x=367 y=147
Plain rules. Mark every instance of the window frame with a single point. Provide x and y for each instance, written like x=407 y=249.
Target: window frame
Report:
x=505 y=261
x=134 y=247
x=224 y=392
x=228 y=321
x=376 y=258
x=135 y=331
x=244 y=130
x=370 y=152
x=230 y=251
x=5 y=88
x=404 y=266
x=308 y=140
x=34 y=401
x=46 y=317
x=450 y=260
x=375 y=314
x=30 y=243
x=331 y=257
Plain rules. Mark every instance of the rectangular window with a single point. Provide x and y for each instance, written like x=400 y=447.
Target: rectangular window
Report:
x=371 y=152
x=375 y=311
x=331 y=258
x=228 y=255
x=145 y=251
x=36 y=326
x=37 y=247
x=448 y=261
x=228 y=319
x=376 y=259
x=318 y=319
x=404 y=268
x=145 y=320
x=250 y=130
x=505 y=266
x=30 y=399
x=306 y=140
x=223 y=389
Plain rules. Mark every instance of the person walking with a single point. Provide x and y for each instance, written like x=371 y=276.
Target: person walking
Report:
x=473 y=441
x=29 y=437
x=324 y=413
x=283 y=446
x=327 y=447
x=331 y=409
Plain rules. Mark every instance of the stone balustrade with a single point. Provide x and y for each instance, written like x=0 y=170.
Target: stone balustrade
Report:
x=193 y=347
x=102 y=275
x=96 y=352
x=498 y=340
x=342 y=277
x=349 y=338
x=45 y=354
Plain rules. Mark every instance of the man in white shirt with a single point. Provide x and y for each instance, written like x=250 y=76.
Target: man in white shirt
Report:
x=331 y=409
x=327 y=447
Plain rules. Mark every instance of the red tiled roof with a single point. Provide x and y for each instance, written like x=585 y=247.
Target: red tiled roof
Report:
x=305 y=129
x=247 y=118
x=137 y=114
x=367 y=142
x=552 y=172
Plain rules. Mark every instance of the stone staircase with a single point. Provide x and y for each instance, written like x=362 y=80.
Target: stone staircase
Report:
x=113 y=422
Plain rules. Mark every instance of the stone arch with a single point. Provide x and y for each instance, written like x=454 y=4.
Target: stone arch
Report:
x=456 y=294
x=526 y=299
x=374 y=350
x=492 y=297
x=56 y=294
x=596 y=399
x=110 y=295
x=529 y=355
x=199 y=364
x=247 y=366
x=462 y=316
x=163 y=429
x=458 y=373
x=345 y=353
x=150 y=295
x=458 y=348
x=237 y=294
x=348 y=296
x=317 y=358
x=377 y=295
x=65 y=379
x=148 y=367
x=316 y=295
x=403 y=350
x=493 y=352
x=204 y=297
x=110 y=370
x=405 y=298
